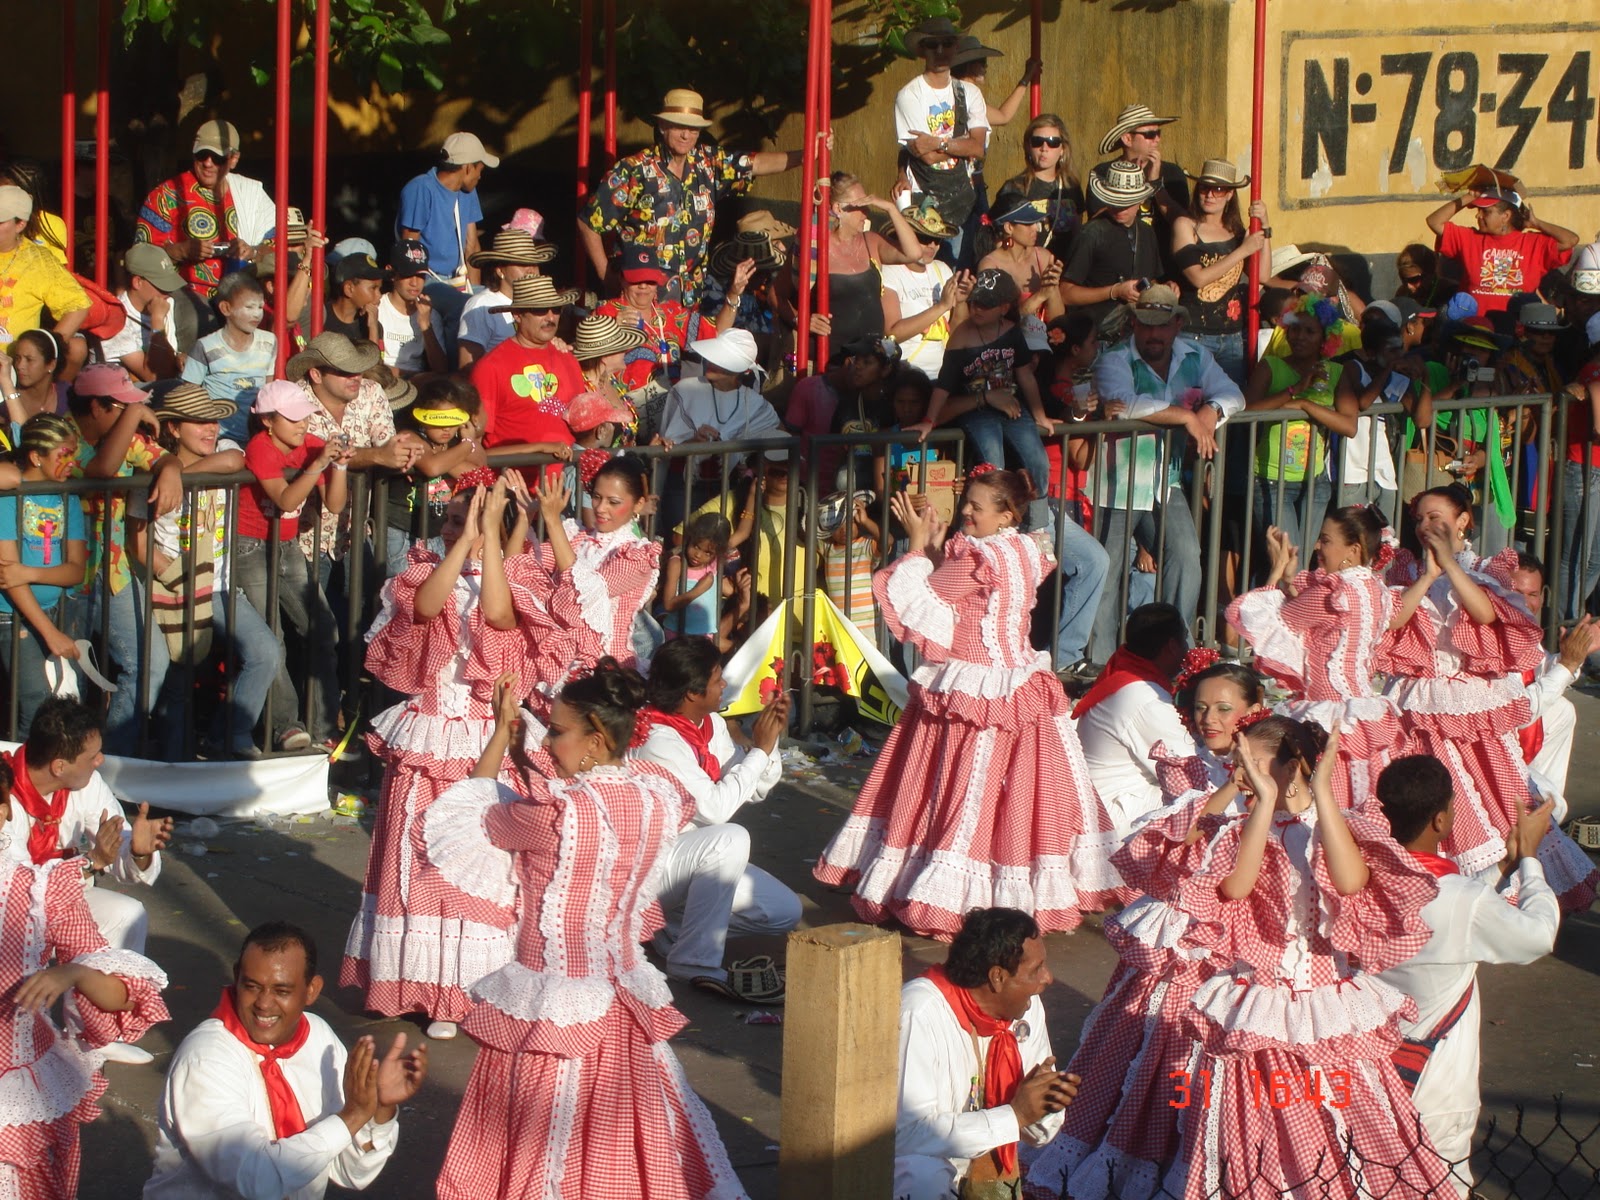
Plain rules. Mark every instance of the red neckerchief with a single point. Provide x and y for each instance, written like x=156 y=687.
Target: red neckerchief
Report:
x=44 y=837
x=698 y=736
x=286 y=1118
x=1002 y=1072
x=1531 y=735
x=1122 y=668
x=1434 y=864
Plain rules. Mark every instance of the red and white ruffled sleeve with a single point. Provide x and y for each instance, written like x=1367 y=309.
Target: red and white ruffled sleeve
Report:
x=404 y=653
x=1513 y=641
x=1380 y=926
x=1260 y=616
x=605 y=596
x=458 y=845
x=498 y=651
x=921 y=604
x=73 y=936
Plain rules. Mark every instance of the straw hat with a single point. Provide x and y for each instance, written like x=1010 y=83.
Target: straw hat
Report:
x=400 y=393
x=332 y=350
x=1287 y=258
x=761 y=221
x=1158 y=305
x=769 y=254
x=599 y=336
x=925 y=219
x=1119 y=185
x=191 y=402
x=1220 y=172
x=1131 y=118
x=535 y=292
x=683 y=106
x=513 y=246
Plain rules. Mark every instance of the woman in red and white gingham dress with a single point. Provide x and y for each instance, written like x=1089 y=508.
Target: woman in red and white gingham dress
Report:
x=575 y=1094
x=417 y=942
x=1291 y=1069
x=980 y=796
x=1448 y=672
x=52 y=1082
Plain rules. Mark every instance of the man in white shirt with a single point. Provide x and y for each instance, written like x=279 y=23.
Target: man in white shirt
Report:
x=1164 y=379
x=708 y=889
x=976 y=1072
x=942 y=124
x=61 y=807
x=260 y=1100
x=721 y=407
x=406 y=336
x=1547 y=737
x=1472 y=923
x=148 y=344
x=1129 y=709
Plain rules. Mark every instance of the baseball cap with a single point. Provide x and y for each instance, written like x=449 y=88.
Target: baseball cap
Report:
x=288 y=400
x=155 y=264
x=592 y=410
x=1489 y=197
x=109 y=381
x=639 y=265
x=408 y=258
x=357 y=266
x=463 y=149
x=15 y=204
x=219 y=137
x=345 y=247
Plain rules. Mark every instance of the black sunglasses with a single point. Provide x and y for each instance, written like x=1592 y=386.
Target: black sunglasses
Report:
x=210 y=156
x=944 y=43
x=539 y=312
x=1037 y=141
x=1148 y=133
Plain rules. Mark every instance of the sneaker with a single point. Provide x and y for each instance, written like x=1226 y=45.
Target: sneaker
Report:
x=294 y=739
x=1082 y=671
x=443 y=1031
x=121 y=1052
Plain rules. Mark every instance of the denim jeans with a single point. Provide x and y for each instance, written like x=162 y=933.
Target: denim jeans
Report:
x=1385 y=498
x=1580 y=517
x=1177 y=550
x=305 y=610
x=1084 y=564
x=1300 y=509
x=257 y=657
x=1228 y=350
x=125 y=630
x=990 y=434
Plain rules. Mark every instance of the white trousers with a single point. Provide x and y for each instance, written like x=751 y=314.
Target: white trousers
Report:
x=1560 y=721
x=122 y=919
x=923 y=1177
x=708 y=890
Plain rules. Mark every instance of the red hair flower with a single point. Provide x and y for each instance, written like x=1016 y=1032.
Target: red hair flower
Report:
x=1249 y=719
x=1198 y=659
x=484 y=477
x=981 y=469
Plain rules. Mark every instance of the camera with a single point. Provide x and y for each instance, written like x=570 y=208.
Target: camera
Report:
x=1141 y=285
x=1473 y=373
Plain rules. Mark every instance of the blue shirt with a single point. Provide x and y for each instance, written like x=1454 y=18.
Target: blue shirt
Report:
x=236 y=375
x=48 y=524
x=441 y=217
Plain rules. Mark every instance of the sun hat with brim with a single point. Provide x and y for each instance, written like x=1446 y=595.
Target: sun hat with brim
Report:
x=15 y=204
x=441 y=418
x=1222 y=173
x=1023 y=212
x=1476 y=331
x=516 y=247
x=535 y=292
x=592 y=410
x=191 y=402
x=333 y=351
x=599 y=336
x=289 y=400
x=109 y=381
x=767 y=254
x=925 y=219
x=762 y=221
x=1119 y=185
x=831 y=508
x=1130 y=119
x=970 y=50
x=400 y=393
x=1540 y=318
x=733 y=351
x=683 y=106
x=1158 y=305
x=933 y=27
x=1287 y=258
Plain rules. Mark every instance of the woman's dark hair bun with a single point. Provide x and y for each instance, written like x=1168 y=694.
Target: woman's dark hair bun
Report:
x=623 y=686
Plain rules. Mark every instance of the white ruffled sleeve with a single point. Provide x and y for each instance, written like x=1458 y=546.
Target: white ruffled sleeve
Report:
x=459 y=846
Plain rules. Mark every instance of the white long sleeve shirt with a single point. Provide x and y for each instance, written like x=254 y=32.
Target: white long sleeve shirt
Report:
x=1117 y=735
x=214 y=1137
x=737 y=415
x=79 y=824
x=747 y=775
x=941 y=1087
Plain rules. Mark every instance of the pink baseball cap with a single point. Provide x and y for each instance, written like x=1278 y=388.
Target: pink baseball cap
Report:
x=592 y=410
x=288 y=400
x=109 y=381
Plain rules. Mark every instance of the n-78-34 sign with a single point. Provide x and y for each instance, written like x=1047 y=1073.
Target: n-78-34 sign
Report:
x=1368 y=116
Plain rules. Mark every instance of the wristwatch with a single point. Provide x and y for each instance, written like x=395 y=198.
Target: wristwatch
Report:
x=944 y=145
x=1212 y=404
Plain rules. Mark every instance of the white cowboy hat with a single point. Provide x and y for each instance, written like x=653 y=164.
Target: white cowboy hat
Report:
x=733 y=351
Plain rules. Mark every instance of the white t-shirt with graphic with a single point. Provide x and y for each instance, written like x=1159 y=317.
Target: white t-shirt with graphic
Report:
x=920 y=108
x=918 y=292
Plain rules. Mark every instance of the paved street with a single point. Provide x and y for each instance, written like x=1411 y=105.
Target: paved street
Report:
x=1540 y=1032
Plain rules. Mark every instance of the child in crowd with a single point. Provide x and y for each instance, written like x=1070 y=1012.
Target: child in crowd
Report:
x=1074 y=342
x=851 y=555
x=42 y=545
x=270 y=508
x=595 y=423
x=446 y=415
x=237 y=359
x=909 y=393
x=689 y=586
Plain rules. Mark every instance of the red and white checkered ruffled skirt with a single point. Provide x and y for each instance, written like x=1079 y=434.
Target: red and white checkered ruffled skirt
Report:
x=619 y=1124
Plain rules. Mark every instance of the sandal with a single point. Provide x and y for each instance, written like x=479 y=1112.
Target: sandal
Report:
x=757 y=980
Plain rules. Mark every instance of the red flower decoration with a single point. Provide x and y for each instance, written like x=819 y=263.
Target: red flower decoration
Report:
x=484 y=477
x=1198 y=659
x=1249 y=719
x=590 y=462
x=979 y=469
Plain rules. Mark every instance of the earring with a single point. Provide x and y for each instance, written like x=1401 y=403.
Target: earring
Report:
x=585 y=763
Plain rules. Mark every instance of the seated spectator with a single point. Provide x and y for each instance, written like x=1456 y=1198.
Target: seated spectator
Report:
x=148 y=344
x=1049 y=182
x=270 y=509
x=513 y=254
x=34 y=280
x=1115 y=253
x=196 y=608
x=708 y=889
x=691 y=602
x=853 y=550
x=924 y=300
x=1473 y=921
x=233 y=363
x=602 y=348
x=44 y=536
x=839 y=396
x=1547 y=737
x=1129 y=710
x=352 y=305
x=1163 y=379
x=1510 y=250
x=527 y=382
x=406 y=336
x=666 y=328
x=29 y=378
x=769 y=289
x=257 y=212
x=1418 y=271
x=44 y=227
x=1530 y=368
x=191 y=216
x=722 y=406
x=261 y=1099
x=1034 y=269
x=960 y=1120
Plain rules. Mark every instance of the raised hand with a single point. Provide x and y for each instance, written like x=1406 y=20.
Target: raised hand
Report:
x=553 y=496
x=149 y=836
x=911 y=520
x=400 y=1075
x=107 y=840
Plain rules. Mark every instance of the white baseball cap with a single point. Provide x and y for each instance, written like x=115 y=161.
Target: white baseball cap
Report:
x=464 y=149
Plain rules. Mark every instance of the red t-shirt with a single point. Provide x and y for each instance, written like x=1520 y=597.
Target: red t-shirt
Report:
x=525 y=393
x=1580 y=421
x=264 y=460
x=1497 y=268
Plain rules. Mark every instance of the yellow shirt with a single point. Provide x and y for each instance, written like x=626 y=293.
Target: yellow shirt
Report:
x=31 y=280
x=53 y=236
x=770 y=528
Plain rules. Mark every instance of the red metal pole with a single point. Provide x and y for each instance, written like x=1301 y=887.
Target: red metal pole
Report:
x=808 y=202
x=1035 y=52
x=610 y=143
x=319 y=170
x=585 y=116
x=824 y=163
x=1257 y=100
x=280 y=313
x=69 y=123
x=102 y=147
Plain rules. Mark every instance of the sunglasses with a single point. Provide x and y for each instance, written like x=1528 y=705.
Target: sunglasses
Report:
x=1148 y=133
x=337 y=374
x=1213 y=189
x=1411 y=280
x=210 y=156
x=539 y=312
x=1036 y=141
